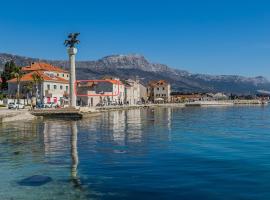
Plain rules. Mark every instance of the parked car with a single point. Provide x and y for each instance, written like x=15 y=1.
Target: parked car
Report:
x=40 y=105
x=15 y=106
x=114 y=103
x=50 y=105
x=100 y=105
x=139 y=103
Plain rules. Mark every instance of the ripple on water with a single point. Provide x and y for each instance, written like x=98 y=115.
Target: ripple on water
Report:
x=189 y=153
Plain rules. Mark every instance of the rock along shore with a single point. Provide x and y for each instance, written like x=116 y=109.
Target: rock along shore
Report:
x=7 y=115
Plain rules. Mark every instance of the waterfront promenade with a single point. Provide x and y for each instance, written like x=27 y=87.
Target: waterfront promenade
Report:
x=7 y=115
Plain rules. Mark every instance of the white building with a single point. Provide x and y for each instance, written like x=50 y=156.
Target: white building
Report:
x=111 y=92
x=104 y=92
x=159 y=91
x=143 y=93
x=132 y=92
x=53 y=86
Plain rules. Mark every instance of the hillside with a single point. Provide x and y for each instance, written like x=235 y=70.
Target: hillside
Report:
x=130 y=66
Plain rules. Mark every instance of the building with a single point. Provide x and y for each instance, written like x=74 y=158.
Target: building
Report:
x=132 y=92
x=53 y=86
x=159 y=91
x=220 y=96
x=177 y=97
x=110 y=91
x=143 y=93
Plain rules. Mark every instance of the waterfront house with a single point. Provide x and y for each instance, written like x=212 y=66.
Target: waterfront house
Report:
x=109 y=91
x=132 y=92
x=52 y=87
x=159 y=91
x=143 y=93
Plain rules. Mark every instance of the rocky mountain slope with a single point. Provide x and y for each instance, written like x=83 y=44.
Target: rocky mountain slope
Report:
x=130 y=66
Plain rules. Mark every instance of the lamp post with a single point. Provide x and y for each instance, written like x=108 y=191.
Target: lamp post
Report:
x=72 y=51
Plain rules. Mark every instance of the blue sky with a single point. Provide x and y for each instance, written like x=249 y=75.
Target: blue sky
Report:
x=201 y=36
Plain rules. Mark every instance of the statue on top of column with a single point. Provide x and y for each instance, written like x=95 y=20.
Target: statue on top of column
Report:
x=72 y=40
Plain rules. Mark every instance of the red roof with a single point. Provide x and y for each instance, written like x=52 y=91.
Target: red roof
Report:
x=40 y=66
x=113 y=81
x=158 y=83
x=43 y=75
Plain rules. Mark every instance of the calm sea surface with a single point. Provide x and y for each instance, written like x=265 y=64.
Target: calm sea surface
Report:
x=163 y=153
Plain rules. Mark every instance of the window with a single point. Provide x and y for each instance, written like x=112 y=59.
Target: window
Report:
x=63 y=75
x=55 y=87
x=163 y=88
x=48 y=87
x=67 y=75
x=66 y=88
x=57 y=74
x=158 y=88
x=61 y=87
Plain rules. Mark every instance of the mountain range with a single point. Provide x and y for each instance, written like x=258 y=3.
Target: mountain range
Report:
x=132 y=66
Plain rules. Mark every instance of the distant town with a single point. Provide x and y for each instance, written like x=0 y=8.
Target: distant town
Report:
x=42 y=85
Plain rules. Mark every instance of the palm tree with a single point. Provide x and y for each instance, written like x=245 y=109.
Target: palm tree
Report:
x=17 y=73
x=28 y=88
x=37 y=79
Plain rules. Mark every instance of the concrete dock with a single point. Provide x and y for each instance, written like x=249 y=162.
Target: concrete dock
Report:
x=63 y=113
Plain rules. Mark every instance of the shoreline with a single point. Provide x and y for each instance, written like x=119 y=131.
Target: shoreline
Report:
x=7 y=115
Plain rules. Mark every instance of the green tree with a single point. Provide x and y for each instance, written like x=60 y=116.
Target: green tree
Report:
x=6 y=75
x=37 y=80
x=17 y=73
x=2 y=96
x=28 y=89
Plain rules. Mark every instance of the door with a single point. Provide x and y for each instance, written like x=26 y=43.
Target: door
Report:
x=91 y=101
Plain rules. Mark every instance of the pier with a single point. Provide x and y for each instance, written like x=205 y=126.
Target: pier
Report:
x=64 y=113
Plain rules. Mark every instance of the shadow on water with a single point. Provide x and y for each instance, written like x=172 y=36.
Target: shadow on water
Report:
x=74 y=156
x=59 y=142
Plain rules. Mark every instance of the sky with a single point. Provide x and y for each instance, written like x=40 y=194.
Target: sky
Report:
x=201 y=36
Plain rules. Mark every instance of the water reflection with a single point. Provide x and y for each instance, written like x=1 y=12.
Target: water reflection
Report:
x=126 y=126
x=61 y=137
x=123 y=129
x=74 y=154
x=56 y=138
x=70 y=150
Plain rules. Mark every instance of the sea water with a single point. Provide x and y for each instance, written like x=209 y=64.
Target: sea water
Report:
x=156 y=153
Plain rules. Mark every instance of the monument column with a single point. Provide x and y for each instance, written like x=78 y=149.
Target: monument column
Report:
x=72 y=51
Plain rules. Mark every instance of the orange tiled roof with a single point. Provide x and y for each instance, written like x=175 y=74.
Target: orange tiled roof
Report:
x=40 y=66
x=29 y=77
x=158 y=83
x=113 y=81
